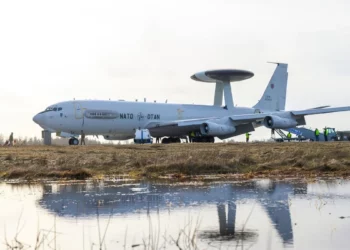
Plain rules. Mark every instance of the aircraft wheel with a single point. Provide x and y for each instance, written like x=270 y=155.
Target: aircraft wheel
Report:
x=199 y=139
x=165 y=140
x=75 y=141
x=208 y=139
x=174 y=140
x=70 y=141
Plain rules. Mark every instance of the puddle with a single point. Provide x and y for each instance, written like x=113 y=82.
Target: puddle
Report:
x=261 y=214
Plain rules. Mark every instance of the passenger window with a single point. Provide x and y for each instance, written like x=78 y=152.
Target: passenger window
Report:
x=54 y=109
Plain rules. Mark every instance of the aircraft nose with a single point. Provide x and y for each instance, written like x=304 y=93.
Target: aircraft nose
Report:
x=38 y=118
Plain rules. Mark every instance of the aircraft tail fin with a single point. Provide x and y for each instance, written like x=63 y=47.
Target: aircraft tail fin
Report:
x=274 y=97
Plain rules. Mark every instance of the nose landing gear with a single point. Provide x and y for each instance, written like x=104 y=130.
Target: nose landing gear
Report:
x=73 y=141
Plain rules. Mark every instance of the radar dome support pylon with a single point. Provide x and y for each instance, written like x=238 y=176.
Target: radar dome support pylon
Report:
x=228 y=95
x=219 y=93
x=223 y=79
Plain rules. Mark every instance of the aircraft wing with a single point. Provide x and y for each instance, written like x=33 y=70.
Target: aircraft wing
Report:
x=239 y=119
x=184 y=127
x=178 y=123
x=243 y=123
x=319 y=111
x=176 y=127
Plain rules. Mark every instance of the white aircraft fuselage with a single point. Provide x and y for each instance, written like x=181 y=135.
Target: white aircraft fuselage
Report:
x=121 y=118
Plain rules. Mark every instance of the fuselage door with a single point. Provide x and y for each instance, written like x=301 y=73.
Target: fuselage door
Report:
x=78 y=110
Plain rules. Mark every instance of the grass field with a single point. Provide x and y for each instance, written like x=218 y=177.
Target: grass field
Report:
x=238 y=160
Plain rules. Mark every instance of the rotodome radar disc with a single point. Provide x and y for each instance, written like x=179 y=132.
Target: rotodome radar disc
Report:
x=223 y=75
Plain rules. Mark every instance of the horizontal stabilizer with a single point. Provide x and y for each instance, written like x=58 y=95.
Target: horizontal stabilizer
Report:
x=321 y=107
x=320 y=111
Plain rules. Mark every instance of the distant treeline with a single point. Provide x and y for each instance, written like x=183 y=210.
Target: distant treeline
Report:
x=39 y=141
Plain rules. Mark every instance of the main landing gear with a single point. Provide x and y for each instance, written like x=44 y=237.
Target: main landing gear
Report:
x=209 y=139
x=73 y=141
x=168 y=140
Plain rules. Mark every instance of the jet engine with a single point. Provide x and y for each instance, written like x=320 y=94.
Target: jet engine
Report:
x=279 y=123
x=215 y=129
x=65 y=135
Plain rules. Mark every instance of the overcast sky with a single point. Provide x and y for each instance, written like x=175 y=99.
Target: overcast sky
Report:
x=53 y=51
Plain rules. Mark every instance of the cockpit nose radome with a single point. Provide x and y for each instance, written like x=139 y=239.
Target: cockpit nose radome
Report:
x=38 y=118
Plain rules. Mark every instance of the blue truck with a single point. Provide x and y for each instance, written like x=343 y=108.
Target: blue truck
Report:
x=304 y=133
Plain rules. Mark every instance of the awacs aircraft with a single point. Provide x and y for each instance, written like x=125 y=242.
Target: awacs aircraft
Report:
x=118 y=120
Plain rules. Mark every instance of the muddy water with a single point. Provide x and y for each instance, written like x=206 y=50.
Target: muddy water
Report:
x=124 y=214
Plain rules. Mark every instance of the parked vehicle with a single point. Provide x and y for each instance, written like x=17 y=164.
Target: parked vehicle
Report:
x=142 y=136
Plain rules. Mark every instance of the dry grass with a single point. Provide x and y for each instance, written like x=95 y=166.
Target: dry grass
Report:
x=238 y=160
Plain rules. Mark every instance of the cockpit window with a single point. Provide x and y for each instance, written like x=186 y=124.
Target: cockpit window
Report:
x=52 y=108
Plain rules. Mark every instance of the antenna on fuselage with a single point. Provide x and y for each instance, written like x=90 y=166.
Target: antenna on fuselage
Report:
x=136 y=100
x=166 y=101
x=144 y=99
x=223 y=79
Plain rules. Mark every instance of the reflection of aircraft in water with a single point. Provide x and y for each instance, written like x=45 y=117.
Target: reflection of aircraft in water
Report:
x=274 y=198
x=277 y=207
x=83 y=200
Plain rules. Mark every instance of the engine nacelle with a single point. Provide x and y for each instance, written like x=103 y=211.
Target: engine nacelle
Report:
x=279 y=123
x=117 y=137
x=215 y=129
x=66 y=135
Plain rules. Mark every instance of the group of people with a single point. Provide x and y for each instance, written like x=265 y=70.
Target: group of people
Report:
x=289 y=135
x=11 y=141
x=325 y=134
x=317 y=135
x=192 y=135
